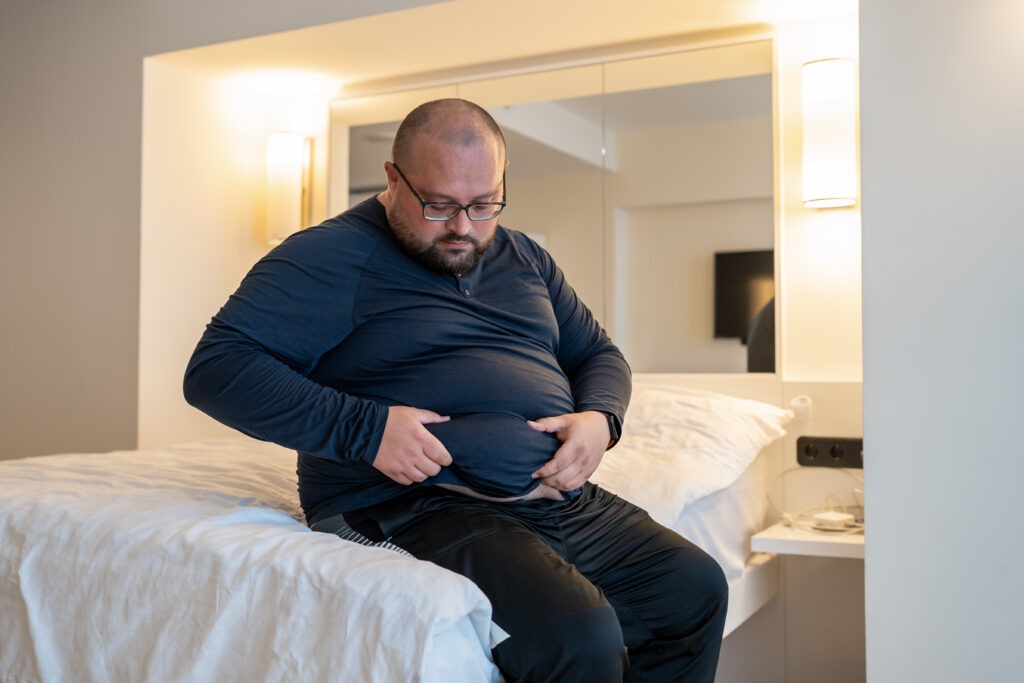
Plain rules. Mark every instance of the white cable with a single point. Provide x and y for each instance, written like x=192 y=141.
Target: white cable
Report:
x=804 y=519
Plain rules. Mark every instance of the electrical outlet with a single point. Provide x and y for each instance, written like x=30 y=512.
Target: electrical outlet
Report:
x=827 y=451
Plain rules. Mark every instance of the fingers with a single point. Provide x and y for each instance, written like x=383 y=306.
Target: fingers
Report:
x=431 y=446
x=567 y=469
x=424 y=458
x=429 y=416
x=408 y=453
x=583 y=445
x=565 y=476
x=549 y=425
x=437 y=453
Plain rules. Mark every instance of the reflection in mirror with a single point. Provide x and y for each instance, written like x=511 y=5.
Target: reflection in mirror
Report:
x=693 y=179
x=634 y=192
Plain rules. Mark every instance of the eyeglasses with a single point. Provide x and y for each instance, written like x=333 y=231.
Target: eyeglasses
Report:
x=445 y=211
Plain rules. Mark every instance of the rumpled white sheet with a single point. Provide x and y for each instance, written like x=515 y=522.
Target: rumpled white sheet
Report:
x=189 y=564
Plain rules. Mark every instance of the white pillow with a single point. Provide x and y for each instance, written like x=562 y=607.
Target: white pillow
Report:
x=680 y=444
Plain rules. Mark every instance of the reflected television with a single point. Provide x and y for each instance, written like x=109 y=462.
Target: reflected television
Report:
x=744 y=284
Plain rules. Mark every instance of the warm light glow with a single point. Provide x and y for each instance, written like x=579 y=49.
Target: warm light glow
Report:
x=287 y=83
x=288 y=171
x=296 y=101
x=829 y=93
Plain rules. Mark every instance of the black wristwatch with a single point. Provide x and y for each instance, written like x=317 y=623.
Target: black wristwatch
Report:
x=614 y=429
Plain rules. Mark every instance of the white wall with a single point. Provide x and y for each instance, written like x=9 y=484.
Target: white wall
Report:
x=819 y=249
x=201 y=230
x=942 y=93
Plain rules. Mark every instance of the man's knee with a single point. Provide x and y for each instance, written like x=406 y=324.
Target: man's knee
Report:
x=705 y=590
x=708 y=575
x=583 y=646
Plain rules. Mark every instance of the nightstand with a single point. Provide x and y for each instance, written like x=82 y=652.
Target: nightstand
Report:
x=785 y=540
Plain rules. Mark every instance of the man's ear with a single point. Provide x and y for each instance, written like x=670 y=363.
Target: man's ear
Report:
x=390 y=192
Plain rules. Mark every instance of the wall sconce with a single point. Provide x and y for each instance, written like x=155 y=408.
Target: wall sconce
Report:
x=289 y=166
x=829 y=94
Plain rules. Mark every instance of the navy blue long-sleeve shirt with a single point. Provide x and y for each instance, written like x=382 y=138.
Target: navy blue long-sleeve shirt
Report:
x=338 y=323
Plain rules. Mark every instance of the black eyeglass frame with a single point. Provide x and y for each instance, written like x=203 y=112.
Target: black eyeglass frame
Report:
x=455 y=205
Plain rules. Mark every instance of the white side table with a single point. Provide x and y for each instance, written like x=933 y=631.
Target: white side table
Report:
x=785 y=540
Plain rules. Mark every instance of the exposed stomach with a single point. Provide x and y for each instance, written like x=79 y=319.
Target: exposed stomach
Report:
x=493 y=455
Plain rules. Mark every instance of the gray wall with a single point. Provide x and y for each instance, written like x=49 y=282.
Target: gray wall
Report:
x=942 y=100
x=70 y=134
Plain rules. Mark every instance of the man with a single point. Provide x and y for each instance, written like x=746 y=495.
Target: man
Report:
x=448 y=394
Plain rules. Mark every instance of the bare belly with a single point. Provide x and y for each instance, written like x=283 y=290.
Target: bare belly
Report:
x=542 y=491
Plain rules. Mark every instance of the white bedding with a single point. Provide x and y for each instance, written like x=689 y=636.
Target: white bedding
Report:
x=689 y=458
x=191 y=562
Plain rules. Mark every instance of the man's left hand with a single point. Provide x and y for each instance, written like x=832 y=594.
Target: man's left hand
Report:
x=584 y=438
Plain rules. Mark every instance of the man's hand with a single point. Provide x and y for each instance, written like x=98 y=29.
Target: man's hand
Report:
x=584 y=438
x=408 y=453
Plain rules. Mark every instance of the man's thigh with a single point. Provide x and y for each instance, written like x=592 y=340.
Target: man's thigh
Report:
x=561 y=627
x=510 y=562
x=660 y=584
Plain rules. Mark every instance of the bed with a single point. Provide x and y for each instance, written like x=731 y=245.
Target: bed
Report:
x=190 y=562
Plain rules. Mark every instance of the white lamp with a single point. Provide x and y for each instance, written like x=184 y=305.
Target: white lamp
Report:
x=289 y=157
x=829 y=94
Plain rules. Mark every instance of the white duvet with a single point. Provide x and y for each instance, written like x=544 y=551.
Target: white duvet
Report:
x=189 y=564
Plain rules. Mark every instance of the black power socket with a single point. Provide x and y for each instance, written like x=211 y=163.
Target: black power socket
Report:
x=827 y=451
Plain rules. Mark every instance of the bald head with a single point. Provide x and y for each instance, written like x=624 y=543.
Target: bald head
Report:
x=452 y=122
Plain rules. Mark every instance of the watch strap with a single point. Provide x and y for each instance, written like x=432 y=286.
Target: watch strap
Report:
x=614 y=429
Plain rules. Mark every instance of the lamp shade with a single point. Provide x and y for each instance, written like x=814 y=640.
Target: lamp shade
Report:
x=829 y=99
x=287 y=194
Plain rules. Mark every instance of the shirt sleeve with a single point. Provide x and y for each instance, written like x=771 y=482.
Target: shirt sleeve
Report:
x=249 y=369
x=598 y=373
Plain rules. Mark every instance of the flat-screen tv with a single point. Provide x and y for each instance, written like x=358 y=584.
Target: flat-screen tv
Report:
x=744 y=283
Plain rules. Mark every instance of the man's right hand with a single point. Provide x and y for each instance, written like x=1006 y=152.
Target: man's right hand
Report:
x=408 y=453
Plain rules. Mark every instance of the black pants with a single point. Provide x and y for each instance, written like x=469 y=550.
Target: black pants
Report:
x=590 y=589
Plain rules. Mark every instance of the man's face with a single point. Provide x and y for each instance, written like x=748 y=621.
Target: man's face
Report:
x=445 y=173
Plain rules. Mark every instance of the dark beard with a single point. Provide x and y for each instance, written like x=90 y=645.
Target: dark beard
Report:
x=436 y=259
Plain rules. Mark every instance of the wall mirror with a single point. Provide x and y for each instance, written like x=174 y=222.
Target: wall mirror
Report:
x=639 y=175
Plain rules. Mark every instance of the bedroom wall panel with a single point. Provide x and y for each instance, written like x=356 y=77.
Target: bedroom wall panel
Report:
x=820 y=307
x=943 y=254
x=201 y=231
x=71 y=126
